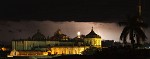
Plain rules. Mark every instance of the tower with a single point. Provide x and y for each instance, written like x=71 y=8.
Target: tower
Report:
x=92 y=39
x=139 y=8
x=139 y=12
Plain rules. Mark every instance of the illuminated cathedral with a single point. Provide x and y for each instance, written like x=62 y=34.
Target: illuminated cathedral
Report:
x=59 y=44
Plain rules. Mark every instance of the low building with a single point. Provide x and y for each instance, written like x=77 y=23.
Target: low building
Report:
x=107 y=43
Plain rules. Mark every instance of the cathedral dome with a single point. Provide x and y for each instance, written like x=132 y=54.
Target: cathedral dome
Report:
x=92 y=34
x=38 y=36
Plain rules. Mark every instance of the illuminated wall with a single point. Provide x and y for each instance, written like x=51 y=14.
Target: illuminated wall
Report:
x=67 y=49
x=28 y=45
x=54 y=50
x=27 y=53
x=93 y=41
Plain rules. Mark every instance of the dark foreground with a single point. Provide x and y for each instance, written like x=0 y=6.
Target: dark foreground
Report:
x=105 y=54
x=100 y=57
x=87 y=57
x=112 y=54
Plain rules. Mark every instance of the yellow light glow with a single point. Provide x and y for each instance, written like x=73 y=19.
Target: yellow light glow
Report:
x=3 y=49
x=45 y=53
x=78 y=34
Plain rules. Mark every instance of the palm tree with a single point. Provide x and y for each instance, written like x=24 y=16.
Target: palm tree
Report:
x=133 y=28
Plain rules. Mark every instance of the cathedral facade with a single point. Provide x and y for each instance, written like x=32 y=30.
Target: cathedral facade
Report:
x=60 y=44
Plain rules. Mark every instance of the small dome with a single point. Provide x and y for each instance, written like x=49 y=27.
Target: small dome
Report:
x=92 y=34
x=38 y=36
x=58 y=32
x=59 y=36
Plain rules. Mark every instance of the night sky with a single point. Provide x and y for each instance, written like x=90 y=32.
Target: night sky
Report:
x=68 y=15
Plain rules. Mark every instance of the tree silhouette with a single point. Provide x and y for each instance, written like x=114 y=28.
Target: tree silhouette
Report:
x=133 y=28
x=91 y=51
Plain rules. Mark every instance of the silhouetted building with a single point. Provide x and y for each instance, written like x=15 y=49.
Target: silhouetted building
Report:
x=107 y=43
x=59 y=36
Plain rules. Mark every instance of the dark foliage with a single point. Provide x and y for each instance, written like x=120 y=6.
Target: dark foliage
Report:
x=134 y=29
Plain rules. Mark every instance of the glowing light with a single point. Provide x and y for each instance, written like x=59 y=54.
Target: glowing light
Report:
x=9 y=56
x=78 y=34
x=45 y=53
x=3 y=49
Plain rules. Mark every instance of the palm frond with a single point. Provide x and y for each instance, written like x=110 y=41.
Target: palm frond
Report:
x=122 y=23
x=143 y=25
x=124 y=33
x=141 y=34
x=137 y=39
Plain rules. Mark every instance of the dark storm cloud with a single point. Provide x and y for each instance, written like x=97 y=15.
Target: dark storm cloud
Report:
x=25 y=29
x=71 y=10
